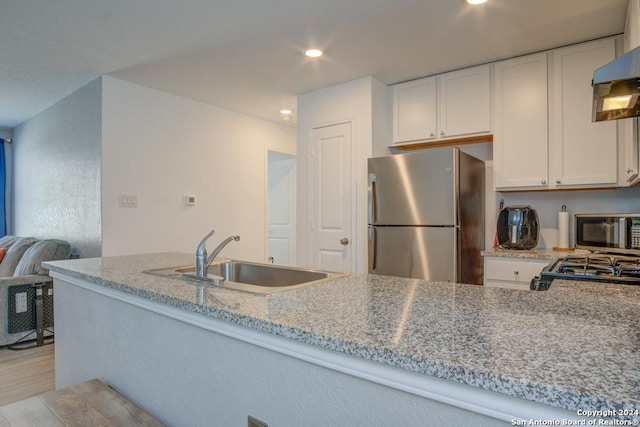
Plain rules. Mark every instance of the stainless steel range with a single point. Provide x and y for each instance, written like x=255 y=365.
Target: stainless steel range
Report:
x=608 y=268
x=614 y=240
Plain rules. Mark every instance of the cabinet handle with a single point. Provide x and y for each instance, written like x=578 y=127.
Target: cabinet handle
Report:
x=441 y=132
x=630 y=170
x=557 y=181
x=516 y=272
x=543 y=182
x=433 y=134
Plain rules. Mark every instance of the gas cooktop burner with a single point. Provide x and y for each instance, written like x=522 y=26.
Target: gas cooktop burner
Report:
x=592 y=267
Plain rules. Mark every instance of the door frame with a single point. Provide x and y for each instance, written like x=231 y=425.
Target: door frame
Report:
x=356 y=191
x=293 y=154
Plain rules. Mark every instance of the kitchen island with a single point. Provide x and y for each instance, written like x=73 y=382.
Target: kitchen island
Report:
x=359 y=350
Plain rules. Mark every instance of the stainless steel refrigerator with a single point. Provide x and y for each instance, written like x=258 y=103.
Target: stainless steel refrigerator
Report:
x=426 y=215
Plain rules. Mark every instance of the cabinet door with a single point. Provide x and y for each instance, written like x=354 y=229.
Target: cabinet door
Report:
x=464 y=102
x=632 y=28
x=414 y=110
x=520 y=137
x=629 y=173
x=582 y=152
x=511 y=272
x=628 y=129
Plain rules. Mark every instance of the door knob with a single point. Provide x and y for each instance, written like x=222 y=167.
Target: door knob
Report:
x=344 y=241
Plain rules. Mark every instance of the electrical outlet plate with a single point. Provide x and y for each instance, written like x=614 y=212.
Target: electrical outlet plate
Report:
x=189 y=200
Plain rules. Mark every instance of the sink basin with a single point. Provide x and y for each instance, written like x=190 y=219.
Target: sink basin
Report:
x=250 y=277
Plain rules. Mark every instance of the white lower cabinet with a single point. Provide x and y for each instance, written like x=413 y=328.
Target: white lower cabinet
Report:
x=512 y=273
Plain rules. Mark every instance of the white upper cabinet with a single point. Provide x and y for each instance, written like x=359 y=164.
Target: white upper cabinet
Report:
x=414 y=110
x=464 y=105
x=628 y=136
x=632 y=28
x=450 y=105
x=582 y=152
x=520 y=141
x=629 y=128
x=544 y=138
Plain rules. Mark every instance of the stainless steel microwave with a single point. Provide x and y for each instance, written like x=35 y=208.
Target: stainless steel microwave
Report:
x=617 y=233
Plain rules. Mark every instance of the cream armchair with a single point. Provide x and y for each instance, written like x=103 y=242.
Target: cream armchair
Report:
x=26 y=290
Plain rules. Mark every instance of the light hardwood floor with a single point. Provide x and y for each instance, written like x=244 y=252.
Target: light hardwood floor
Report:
x=25 y=373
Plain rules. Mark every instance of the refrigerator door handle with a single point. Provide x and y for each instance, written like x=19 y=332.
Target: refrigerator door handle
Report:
x=373 y=249
x=371 y=193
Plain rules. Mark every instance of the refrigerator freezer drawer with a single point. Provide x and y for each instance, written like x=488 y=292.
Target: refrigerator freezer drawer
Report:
x=414 y=252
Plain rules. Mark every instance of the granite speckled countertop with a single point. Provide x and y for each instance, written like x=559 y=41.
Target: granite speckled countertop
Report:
x=575 y=346
x=537 y=253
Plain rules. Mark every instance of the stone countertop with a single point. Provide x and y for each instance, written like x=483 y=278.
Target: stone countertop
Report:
x=575 y=346
x=538 y=253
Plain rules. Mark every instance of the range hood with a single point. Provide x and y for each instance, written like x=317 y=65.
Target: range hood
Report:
x=616 y=88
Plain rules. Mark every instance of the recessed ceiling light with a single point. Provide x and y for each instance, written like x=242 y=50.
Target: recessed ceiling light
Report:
x=313 y=53
x=476 y=1
x=285 y=112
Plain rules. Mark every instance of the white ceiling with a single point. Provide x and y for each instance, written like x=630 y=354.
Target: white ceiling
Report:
x=246 y=55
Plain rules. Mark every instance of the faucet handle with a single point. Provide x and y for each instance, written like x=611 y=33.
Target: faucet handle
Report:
x=202 y=246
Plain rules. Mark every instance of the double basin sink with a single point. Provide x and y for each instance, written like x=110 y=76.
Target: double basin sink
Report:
x=248 y=276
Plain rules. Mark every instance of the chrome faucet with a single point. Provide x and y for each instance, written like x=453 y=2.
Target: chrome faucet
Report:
x=202 y=261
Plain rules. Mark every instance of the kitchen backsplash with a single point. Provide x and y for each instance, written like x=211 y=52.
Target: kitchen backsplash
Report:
x=548 y=204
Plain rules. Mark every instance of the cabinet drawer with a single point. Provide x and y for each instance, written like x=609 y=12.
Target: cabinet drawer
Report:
x=513 y=270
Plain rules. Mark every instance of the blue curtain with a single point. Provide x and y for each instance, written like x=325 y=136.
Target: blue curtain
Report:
x=3 y=190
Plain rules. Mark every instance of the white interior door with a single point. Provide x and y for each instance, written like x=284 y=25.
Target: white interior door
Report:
x=281 y=193
x=331 y=199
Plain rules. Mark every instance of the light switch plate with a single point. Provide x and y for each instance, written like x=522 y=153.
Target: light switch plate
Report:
x=189 y=200
x=128 y=200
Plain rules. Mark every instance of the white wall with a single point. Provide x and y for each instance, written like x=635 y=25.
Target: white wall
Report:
x=159 y=147
x=352 y=101
x=382 y=119
x=56 y=173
